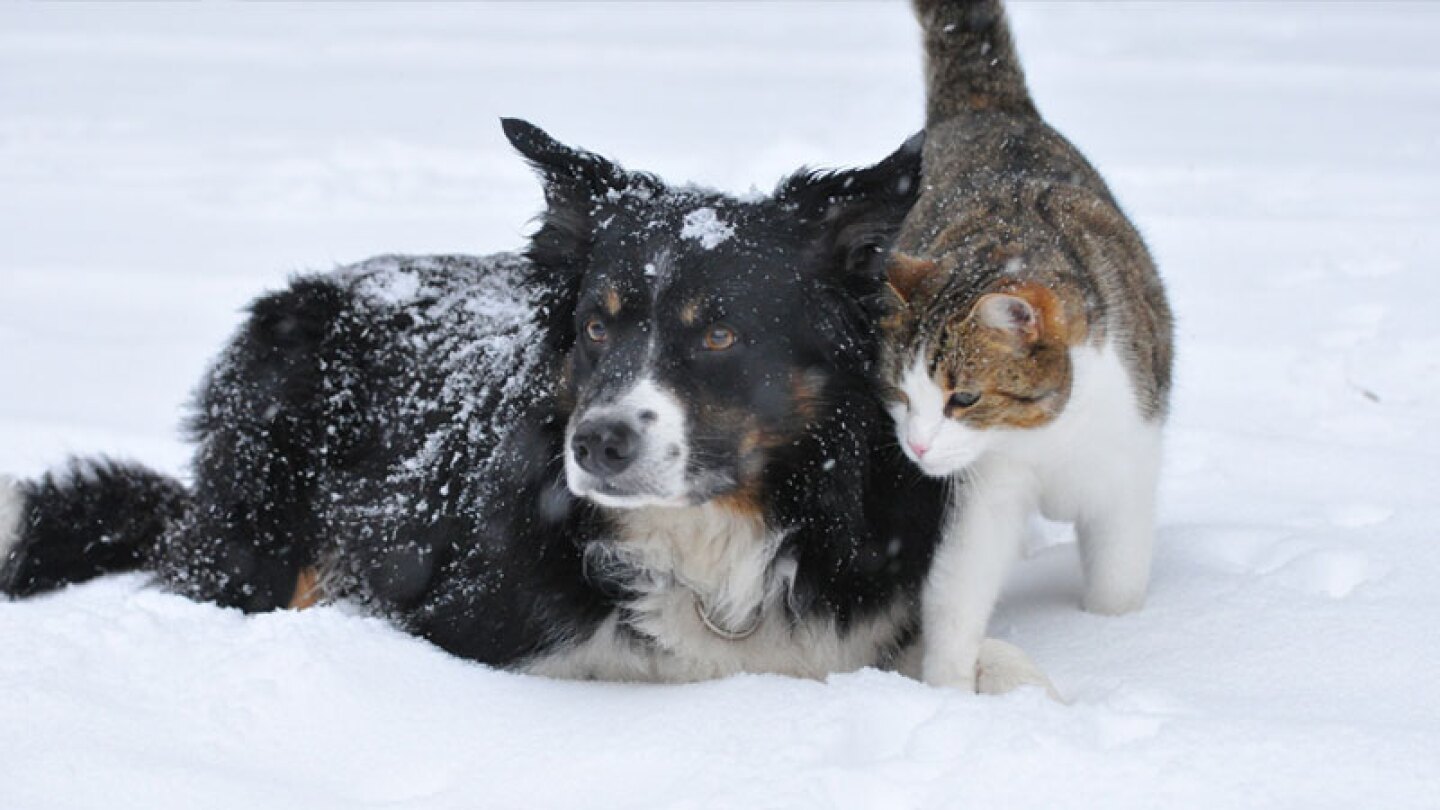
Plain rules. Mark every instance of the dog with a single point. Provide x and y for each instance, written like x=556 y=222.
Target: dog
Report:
x=653 y=447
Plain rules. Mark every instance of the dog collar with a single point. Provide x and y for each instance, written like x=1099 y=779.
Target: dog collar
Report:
x=723 y=632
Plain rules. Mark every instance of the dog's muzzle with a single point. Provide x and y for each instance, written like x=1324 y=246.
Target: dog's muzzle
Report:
x=630 y=452
x=605 y=447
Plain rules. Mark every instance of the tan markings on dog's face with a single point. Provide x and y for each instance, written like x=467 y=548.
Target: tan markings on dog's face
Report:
x=744 y=501
x=753 y=451
x=690 y=313
x=612 y=302
x=759 y=439
x=805 y=388
x=750 y=442
x=1011 y=352
x=755 y=441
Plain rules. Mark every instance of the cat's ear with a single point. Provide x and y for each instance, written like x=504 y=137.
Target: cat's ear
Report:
x=1010 y=314
x=908 y=276
x=1028 y=313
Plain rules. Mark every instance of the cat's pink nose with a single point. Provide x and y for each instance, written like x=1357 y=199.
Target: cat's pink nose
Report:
x=918 y=448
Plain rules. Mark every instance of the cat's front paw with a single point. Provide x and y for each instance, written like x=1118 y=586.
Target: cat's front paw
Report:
x=1112 y=601
x=1003 y=667
x=951 y=671
x=997 y=667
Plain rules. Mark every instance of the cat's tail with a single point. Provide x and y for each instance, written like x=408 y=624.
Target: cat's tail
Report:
x=87 y=519
x=970 y=59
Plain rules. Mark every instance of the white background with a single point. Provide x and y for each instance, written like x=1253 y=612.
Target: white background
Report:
x=161 y=165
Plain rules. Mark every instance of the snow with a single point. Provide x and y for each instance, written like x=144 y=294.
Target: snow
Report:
x=12 y=506
x=706 y=227
x=160 y=166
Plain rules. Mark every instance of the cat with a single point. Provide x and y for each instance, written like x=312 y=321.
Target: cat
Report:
x=1029 y=348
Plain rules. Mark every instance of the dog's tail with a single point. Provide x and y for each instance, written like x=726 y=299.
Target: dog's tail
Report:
x=87 y=519
x=970 y=60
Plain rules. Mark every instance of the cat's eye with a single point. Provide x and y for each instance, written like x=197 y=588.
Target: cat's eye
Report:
x=595 y=330
x=962 y=399
x=719 y=338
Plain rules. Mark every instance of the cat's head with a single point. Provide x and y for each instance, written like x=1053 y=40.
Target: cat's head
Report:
x=969 y=363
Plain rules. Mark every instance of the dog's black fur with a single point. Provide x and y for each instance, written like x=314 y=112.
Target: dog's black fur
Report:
x=401 y=425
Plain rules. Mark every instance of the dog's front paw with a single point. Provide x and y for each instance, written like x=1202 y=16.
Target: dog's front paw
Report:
x=1003 y=667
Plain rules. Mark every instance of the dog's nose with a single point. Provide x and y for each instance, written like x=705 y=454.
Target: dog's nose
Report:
x=605 y=447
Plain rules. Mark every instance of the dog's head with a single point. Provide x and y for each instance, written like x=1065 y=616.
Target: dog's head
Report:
x=703 y=332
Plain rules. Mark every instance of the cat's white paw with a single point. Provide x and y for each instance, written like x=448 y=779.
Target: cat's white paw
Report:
x=998 y=667
x=950 y=671
x=1112 y=601
x=1003 y=667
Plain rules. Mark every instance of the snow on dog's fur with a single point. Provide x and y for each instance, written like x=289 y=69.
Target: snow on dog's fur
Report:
x=651 y=448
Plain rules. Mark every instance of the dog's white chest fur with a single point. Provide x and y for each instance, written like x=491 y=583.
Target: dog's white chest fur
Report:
x=721 y=557
x=712 y=600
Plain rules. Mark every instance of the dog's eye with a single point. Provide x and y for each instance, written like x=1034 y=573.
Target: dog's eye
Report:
x=963 y=399
x=719 y=338
x=595 y=330
x=862 y=253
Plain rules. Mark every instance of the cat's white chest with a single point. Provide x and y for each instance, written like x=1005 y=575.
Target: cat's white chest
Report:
x=1094 y=465
x=1076 y=458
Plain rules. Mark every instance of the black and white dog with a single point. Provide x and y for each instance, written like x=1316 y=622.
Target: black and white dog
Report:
x=652 y=448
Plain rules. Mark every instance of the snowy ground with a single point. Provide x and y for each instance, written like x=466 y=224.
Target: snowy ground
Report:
x=160 y=165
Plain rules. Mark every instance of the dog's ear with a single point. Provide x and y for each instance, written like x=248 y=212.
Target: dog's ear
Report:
x=574 y=181
x=853 y=217
x=858 y=211
x=576 y=184
x=572 y=176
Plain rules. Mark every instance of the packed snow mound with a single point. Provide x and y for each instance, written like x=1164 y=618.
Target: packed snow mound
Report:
x=161 y=702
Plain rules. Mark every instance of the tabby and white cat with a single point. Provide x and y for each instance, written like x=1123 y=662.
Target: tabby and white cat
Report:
x=1030 y=349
